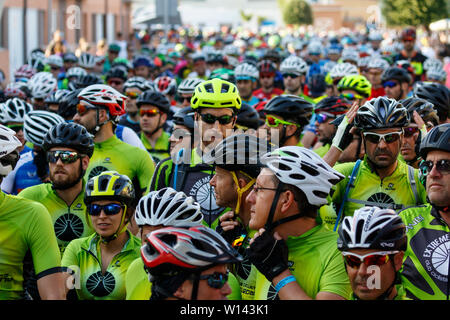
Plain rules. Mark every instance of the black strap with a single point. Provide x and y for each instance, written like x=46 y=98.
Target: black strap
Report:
x=269 y=223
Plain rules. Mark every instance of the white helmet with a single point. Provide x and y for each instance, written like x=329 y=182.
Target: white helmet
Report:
x=86 y=60
x=375 y=35
x=37 y=123
x=231 y=50
x=102 y=95
x=167 y=207
x=438 y=74
x=76 y=72
x=432 y=63
x=364 y=61
x=315 y=48
x=15 y=110
x=140 y=83
x=350 y=54
x=378 y=63
x=55 y=60
x=304 y=169
x=8 y=153
x=246 y=71
x=166 y=85
x=328 y=66
x=187 y=86
x=42 y=84
x=341 y=70
x=294 y=64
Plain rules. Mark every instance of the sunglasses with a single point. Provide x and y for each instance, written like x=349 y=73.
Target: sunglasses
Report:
x=273 y=122
x=267 y=75
x=150 y=113
x=183 y=99
x=443 y=166
x=323 y=117
x=109 y=209
x=210 y=119
x=354 y=260
x=390 y=84
x=115 y=82
x=132 y=95
x=215 y=280
x=291 y=75
x=351 y=96
x=16 y=127
x=410 y=131
x=65 y=156
x=55 y=68
x=387 y=137
x=82 y=108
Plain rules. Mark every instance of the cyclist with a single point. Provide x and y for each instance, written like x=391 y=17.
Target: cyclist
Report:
x=192 y=265
x=296 y=257
x=182 y=135
x=380 y=179
x=215 y=103
x=286 y=116
x=116 y=77
x=294 y=70
x=425 y=271
x=154 y=109
x=267 y=72
x=99 y=107
x=237 y=164
x=156 y=210
x=337 y=72
x=168 y=87
x=375 y=68
x=68 y=147
x=41 y=85
x=396 y=82
x=98 y=263
x=200 y=69
x=423 y=116
x=355 y=88
x=185 y=91
x=438 y=95
x=52 y=101
x=373 y=243
x=26 y=228
x=143 y=67
x=247 y=76
x=248 y=118
x=133 y=88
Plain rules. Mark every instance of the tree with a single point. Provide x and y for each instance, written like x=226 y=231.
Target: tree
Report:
x=296 y=12
x=414 y=12
x=246 y=17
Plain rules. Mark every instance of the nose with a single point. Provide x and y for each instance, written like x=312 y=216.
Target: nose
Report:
x=251 y=197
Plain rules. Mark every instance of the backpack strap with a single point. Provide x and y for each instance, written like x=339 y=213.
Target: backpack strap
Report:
x=413 y=184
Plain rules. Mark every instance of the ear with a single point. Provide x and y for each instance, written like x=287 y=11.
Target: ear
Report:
x=398 y=260
x=85 y=162
x=163 y=117
x=287 y=200
x=183 y=291
x=103 y=115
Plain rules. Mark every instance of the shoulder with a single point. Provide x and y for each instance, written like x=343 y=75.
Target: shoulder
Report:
x=345 y=168
x=36 y=192
x=410 y=213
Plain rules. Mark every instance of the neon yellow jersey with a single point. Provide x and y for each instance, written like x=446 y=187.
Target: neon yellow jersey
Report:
x=401 y=189
x=161 y=149
x=321 y=151
x=69 y=222
x=84 y=257
x=25 y=228
x=316 y=264
x=116 y=155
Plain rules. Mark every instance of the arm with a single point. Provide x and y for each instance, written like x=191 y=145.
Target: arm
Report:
x=51 y=287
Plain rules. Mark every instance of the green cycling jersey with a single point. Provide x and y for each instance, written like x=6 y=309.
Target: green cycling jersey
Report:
x=426 y=265
x=83 y=257
x=69 y=221
x=399 y=190
x=26 y=233
x=316 y=264
x=115 y=155
x=162 y=146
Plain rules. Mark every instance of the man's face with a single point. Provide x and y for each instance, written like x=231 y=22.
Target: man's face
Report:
x=200 y=67
x=212 y=133
x=87 y=119
x=408 y=45
x=260 y=200
x=267 y=80
x=180 y=138
x=54 y=70
x=374 y=76
x=325 y=129
x=245 y=88
x=142 y=71
x=224 y=188
x=18 y=128
x=409 y=142
x=348 y=94
x=383 y=154
x=184 y=100
x=369 y=282
x=63 y=175
x=151 y=118
x=214 y=65
x=112 y=55
x=393 y=89
x=130 y=105
x=292 y=82
x=116 y=83
x=438 y=183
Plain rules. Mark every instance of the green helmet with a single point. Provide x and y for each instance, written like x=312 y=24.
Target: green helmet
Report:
x=358 y=83
x=224 y=74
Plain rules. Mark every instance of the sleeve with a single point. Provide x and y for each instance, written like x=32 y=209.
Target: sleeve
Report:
x=130 y=137
x=334 y=278
x=42 y=241
x=70 y=256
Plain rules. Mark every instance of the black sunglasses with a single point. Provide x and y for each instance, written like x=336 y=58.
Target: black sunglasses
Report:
x=210 y=119
x=215 y=280
x=65 y=156
x=443 y=166
x=292 y=75
x=109 y=209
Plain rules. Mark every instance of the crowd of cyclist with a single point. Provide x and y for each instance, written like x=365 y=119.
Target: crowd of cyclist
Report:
x=283 y=169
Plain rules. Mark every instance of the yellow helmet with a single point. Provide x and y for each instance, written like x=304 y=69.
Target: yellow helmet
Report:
x=216 y=93
x=110 y=185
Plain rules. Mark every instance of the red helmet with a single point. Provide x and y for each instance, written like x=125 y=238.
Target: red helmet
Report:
x=267 y=66
x=408 y=34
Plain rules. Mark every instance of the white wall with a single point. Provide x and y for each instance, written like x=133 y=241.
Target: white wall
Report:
x=15 y=39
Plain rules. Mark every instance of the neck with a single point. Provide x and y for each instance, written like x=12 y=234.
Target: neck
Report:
x=295 y=92
x=267 y=89
x=296 y=228
x=386 y=172
x=69 y=195
x=117 y=244
x=152 y=138
x=106 y=132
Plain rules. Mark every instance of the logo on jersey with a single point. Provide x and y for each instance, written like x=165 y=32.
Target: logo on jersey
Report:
x=68 y=227
x=203 y=193
x=381 y=197
x=390 y=187
x=96 y=171
x=100 y=285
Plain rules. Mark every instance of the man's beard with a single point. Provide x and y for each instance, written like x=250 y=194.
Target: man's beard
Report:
x=382 y=165
x=70 y=182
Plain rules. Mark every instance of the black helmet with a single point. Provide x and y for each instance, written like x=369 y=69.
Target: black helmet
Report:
x=381 y=113
x=154 y=98
x=68 y=104
x=248 y=117
x=333 y=105
x=437 y=139
x=70 y=57
x=184 y=117
x=395 y=73
x=424 y=108
x=438 y=95
x=87 y=80
x=69 y=135
x=316 y=85
x=290 y=107
x=117 y=72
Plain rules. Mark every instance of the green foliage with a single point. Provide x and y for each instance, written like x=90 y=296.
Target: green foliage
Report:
x=414 y=12
x=246 y=17
x=296 y=12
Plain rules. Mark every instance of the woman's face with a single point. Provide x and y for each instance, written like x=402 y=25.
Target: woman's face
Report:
x=106 y=225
